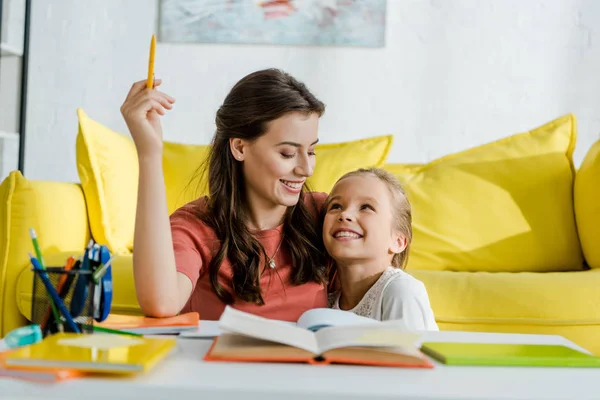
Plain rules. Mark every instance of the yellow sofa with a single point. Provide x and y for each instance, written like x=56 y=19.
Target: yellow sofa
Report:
x=503 y=233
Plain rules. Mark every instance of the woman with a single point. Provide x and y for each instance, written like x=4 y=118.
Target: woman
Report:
x=254 y=242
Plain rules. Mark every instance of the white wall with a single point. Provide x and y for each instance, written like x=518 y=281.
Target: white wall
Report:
x=453 y=74
x=13 y=15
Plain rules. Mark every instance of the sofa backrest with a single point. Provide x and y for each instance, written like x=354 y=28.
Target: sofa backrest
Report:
x=501 y=206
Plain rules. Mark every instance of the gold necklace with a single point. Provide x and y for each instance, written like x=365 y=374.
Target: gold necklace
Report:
x=271 y=261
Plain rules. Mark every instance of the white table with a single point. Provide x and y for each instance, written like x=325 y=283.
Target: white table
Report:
x=183 y=375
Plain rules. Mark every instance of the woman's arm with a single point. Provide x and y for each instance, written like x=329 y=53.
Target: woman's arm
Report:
x=161 y=291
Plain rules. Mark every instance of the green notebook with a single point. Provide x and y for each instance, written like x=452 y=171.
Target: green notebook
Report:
x=535 y=355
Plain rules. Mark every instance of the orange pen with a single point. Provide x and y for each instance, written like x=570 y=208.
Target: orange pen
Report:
x=59 y=286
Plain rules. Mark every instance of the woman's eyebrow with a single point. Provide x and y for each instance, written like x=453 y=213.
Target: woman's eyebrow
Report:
x=295 y=144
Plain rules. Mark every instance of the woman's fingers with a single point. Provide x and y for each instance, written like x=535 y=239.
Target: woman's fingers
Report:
x=164 y=102
x=135 y=89
x=139 y=86
x=158 y=107
x=163 y=98
x=147 y=104
x=135 y=101
x=142 y=100
x=169 y=98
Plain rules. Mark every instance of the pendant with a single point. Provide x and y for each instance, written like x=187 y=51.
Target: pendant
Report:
x=272 y=263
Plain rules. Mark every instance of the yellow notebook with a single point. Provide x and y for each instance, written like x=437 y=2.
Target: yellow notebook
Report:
x=92 y=353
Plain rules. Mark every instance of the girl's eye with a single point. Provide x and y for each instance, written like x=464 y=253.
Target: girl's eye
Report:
x=286 y=155
x=312 y=153
x=367 y=207
x=334 y=206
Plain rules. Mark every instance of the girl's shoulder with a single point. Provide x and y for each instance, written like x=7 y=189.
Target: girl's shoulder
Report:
x=397 y=282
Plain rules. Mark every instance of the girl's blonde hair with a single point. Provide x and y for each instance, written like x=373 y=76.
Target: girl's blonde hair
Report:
x=401 y=208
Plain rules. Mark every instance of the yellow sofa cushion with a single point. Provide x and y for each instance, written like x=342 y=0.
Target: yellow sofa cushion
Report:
x=186 y=180
x=185 y=177
x=57 y=212
x=108 y=169
x=336 y=159
x=502 y=206
x=524 y=302
x=587 y=205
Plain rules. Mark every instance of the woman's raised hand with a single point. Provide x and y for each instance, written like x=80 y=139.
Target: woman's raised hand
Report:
x=141 y=111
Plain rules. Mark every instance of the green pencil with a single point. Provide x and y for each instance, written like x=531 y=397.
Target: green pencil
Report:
x=38 y=253
x=113 y=331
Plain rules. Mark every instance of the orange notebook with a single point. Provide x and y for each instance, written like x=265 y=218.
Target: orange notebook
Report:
x=250 y=338
x=37 y=374
x=151 y=326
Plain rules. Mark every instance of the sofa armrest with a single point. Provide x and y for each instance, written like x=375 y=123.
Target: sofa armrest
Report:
x=58 y=213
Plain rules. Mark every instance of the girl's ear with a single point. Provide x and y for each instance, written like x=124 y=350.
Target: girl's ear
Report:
x=237 y=147
x=399 y=243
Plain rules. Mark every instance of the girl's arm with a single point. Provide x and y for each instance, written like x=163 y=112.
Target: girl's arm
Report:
x=161 y=291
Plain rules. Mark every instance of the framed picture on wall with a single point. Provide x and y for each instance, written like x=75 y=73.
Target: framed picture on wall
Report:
x=280 y=22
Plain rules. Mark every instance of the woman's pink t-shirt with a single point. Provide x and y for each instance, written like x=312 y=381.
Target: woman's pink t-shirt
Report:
x=195 y=243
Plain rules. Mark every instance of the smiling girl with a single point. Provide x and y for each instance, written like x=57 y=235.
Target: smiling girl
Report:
x=367 y=231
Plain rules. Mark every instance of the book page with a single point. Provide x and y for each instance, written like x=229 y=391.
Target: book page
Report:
x=233 y=346
x=380 y=335
x=319 y=318
x=247 y=324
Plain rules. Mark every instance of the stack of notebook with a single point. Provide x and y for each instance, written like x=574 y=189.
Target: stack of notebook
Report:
x=68 y=355
x=152 y=326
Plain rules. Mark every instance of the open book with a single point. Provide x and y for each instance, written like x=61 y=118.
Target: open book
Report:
x=312 y=320
x=252 y=338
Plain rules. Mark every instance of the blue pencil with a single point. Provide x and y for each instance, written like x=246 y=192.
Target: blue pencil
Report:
x=54 y=295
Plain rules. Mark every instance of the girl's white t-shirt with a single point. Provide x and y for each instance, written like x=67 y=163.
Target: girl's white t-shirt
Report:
x=395 y=295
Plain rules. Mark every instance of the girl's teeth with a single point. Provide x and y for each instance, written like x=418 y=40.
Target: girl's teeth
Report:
x=347 y=234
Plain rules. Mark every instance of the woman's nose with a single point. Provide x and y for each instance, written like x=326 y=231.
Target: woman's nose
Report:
x=304 y=167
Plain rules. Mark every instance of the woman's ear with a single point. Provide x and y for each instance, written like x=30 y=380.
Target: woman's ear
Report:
x=237 y=147
x=399 y=243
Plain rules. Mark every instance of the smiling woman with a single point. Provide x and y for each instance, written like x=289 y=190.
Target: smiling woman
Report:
x=214 y=250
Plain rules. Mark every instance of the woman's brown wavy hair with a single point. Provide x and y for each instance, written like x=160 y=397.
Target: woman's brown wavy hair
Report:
x=252 y=103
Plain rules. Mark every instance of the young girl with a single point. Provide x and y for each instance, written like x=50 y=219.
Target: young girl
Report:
x=367 y=231
x=254 y=242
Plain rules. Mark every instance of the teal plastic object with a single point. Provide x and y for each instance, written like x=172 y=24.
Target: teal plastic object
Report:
x=23 y=336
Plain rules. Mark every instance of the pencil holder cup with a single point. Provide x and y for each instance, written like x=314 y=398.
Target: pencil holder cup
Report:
x=75 y=309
